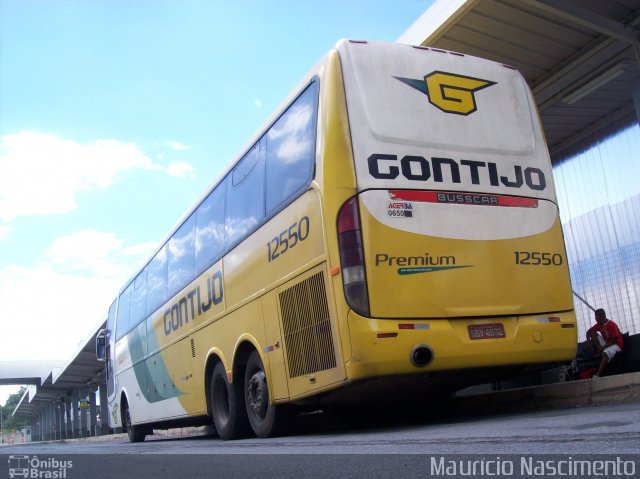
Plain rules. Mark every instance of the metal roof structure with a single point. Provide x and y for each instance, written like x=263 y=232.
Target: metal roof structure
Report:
x=81 y=370
x=24 y=372
x=581 y=59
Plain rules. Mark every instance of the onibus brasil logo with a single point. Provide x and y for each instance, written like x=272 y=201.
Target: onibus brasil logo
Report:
x=32 y=467
x=449 y=92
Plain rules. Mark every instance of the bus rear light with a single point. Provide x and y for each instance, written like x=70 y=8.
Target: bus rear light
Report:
x=353 y=274
x=348 y=217
x=350 y=249
x=352 y=257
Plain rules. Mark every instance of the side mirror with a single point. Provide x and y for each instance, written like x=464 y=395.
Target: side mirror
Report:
x=101 y=345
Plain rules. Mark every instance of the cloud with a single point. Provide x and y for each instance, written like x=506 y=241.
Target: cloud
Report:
x=5 y=231
x=177 y=146
x=50 y=306
x=87 y=250
x=49 y=311
x=142 y=250
x=180 y=170
x=42 y=173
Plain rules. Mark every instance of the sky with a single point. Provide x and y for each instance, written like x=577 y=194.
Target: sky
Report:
x=115 y=116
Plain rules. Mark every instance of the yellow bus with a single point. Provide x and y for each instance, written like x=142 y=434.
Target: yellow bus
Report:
x=392 y=231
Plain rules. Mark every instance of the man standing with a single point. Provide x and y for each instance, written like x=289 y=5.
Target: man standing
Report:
x=606 y=339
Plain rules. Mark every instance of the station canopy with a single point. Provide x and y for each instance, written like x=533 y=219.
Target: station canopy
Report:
x=82 y=372
x=580 y=58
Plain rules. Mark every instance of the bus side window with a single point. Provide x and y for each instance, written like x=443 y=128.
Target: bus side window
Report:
x=138 y=305
x=124 y=324
x=181 y=256
x=157 y=281
x=210 y=244
x=245 y=197
x=291 y=149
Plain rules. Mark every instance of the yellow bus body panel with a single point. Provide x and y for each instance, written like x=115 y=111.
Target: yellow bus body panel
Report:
x=529 y=340
x=422 y=276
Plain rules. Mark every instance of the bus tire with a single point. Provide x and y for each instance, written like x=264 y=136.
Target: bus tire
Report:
x=266 y=419
x=227 y=405
x=135 y=433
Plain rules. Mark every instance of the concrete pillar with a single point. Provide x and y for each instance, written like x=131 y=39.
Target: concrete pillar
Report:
x=36 y=425
x=52 y=420
x=635 y=93
x=63 y=419
x=46 y=413
x=56 y=420
x=81 y=423
x=75 y=419
x=86 y=419
x=92 y=411
x=68 y=409
x=43 y=424
x=40 y=425
x=635 y=87
x=50 y=429
x=104 y=409
x=61 y=431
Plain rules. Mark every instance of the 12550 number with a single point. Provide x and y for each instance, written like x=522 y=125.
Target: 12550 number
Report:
x=535 y=258
x=288 y=238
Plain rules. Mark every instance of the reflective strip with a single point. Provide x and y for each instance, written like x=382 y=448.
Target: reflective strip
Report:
x=551 y=319
x=413 y=326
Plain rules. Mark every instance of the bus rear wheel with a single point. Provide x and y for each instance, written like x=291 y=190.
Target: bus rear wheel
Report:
x=227 y=405
x=266 y=419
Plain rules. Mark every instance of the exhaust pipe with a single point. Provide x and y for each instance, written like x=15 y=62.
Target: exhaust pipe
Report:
x=421 y=355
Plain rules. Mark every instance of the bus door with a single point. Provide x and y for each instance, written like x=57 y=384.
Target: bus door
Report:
x=166 y=366
x=109 y=355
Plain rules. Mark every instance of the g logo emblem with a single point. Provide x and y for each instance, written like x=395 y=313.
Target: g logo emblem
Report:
x=449 y=92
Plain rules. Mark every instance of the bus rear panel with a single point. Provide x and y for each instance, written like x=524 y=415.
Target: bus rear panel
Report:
x=454 y=218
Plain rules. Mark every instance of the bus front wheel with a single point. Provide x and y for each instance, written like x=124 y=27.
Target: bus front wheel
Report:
x=135 y=433
x=227 y=405
x=266 y=419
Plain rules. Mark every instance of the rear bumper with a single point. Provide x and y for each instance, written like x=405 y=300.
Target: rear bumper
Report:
x=384 y=347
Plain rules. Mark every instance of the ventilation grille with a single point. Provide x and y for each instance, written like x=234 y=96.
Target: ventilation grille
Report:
x=307 y=329
x=193 y=348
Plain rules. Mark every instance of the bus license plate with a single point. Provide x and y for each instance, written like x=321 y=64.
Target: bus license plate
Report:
x=486 y=331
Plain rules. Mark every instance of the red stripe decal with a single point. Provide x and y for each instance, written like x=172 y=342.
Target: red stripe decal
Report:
x=472 y=199
x=406 y=326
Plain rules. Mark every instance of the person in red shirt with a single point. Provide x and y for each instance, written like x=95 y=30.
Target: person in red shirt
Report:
x=606 y=339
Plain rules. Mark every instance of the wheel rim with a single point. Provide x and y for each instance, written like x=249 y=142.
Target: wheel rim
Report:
x=257 y=394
